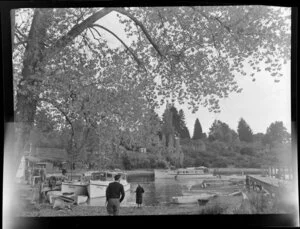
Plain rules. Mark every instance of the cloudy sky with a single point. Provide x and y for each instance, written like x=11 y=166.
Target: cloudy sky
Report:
x=260 y=103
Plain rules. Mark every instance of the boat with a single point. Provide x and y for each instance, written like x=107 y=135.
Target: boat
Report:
x=238 y=193
x=192 y=198
x=77 y=187
x=191 y=172
x=53 y=195
x=100 y=180
x=81 y=199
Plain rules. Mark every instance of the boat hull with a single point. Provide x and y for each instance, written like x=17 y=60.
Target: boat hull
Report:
x=76 y=188
x=98 y=189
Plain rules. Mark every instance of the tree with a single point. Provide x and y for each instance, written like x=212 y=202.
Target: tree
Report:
x=244 y=131
x=221 y=131
x=184 y=131
x=258 y=137
x=203 y=50
x=276 y=133
x=178 y=122
x=168 y=129
x=197 y=130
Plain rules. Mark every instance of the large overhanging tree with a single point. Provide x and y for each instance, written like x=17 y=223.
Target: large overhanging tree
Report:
x=190 y=54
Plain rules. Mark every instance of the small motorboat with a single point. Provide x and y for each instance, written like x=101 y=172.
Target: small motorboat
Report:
x=77 y=187
x=100 y=180
x=192 y=198
x=67 y=197
x=238 y=193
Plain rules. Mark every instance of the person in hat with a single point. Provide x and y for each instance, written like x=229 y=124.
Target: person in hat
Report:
x=114 y=196
x=139 y=195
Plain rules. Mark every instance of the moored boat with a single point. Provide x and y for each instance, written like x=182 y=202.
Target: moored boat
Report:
x=77 y=187
x=192 y=172
x=52 y=195
x=192 y=198
x=100 y=180
x=81 y=199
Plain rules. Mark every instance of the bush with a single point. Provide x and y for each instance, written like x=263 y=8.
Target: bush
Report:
x=247 y=151
x=126 y=162
x=162 y=164
x=259 y=203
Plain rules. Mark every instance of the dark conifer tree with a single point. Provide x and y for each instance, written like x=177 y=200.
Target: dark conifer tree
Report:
x=244 y=131
x=184 y=131
x=197 y=130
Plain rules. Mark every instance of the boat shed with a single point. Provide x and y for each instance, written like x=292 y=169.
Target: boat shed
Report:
x=46 y=157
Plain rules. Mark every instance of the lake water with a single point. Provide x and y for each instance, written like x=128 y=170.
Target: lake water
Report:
x=161 y=191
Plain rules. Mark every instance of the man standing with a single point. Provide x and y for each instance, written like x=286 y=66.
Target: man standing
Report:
x=113 y=193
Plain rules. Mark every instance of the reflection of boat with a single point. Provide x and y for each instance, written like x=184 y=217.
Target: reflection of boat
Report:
x=192 y=172
x=192 y=198
x=100 y=180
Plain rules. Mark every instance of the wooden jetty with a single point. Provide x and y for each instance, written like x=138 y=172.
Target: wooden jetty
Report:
x=270 y=184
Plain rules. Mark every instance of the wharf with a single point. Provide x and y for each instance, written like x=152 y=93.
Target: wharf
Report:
x=269 y=184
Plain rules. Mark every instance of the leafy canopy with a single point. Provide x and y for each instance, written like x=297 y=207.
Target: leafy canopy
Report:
x=185 y=53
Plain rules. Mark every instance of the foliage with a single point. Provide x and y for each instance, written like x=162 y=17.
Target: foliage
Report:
x=247 y=151
x=136 y=160
x=221 y=131
x=258 y=137
x=244 y=131
x=63 y=64
x=184 y=131
x=198 y=134
x=276 y=133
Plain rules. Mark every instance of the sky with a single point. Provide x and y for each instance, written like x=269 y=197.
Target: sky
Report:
x=260 y=103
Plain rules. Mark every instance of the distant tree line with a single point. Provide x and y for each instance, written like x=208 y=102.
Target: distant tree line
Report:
x=168 y=143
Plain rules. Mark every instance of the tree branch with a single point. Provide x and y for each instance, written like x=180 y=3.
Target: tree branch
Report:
x=76 y=30
x=60 y=110
x=131 y=52
x=155 y=46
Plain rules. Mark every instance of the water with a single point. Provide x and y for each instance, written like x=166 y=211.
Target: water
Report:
x=160 y=191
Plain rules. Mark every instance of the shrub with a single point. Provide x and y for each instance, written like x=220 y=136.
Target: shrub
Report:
x=247 y=151
x=126 y=162
x=260 y=203
x=162 y=164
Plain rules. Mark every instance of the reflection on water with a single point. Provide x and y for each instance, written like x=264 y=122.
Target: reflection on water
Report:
x=159 y=191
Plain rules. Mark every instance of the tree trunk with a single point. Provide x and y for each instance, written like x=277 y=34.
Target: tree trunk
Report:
x=26 y=98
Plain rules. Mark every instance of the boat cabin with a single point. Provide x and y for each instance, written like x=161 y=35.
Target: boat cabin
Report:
x=106 y=176
x=193 y=170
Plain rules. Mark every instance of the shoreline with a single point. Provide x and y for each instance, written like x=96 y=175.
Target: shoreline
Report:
x=229 y=204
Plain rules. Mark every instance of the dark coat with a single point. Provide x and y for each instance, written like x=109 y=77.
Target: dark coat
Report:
x=139 y=194
x=115 y=190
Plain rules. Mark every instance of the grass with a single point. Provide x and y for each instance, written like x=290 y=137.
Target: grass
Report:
x=214 y=209
x=258 y=203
